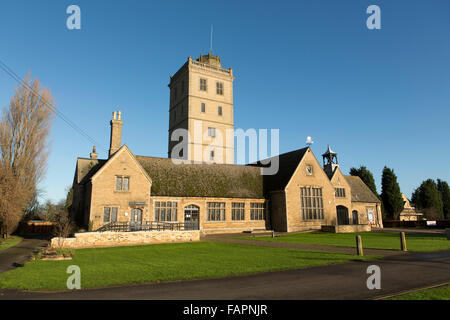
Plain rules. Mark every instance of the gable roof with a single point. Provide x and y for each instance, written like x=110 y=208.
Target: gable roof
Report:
x=116 y=154
x=202 y=180
x=288 y=162
x=86 y=168
x=360 y=191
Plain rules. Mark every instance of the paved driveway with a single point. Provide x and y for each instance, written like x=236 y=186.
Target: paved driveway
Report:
x=15 y=256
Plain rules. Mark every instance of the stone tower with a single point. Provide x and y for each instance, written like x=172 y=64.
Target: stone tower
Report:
x=201 y=102
x=330 y=161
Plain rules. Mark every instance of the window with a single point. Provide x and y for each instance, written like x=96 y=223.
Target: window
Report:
x=166 y=210
x=311 y=203
x=211 y=155
x=109 y=214
x=339 y=192
x=309 y=170
x=203 y=107
x=106 y=214
x=238 y=211
x=203 y=84
x=219 y=110
x=122 y=183
x=211 y=132
x=219 y=88
x=257 y=211
x=215 y=211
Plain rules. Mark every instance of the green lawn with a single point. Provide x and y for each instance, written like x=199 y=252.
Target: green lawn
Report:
x=9 y=242
x=373 y=240
x=103 y=267
x=439 y=293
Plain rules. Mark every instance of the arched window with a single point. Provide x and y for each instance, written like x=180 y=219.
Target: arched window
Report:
x=355 y=217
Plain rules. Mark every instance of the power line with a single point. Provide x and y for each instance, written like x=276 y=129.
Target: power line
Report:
x=72 y=124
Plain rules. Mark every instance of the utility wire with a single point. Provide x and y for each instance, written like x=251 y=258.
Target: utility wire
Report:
x=72 y=124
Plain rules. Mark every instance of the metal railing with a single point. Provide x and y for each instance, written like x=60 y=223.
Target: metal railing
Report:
x=148 y=226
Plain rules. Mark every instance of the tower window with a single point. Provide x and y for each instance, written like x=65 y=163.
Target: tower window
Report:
x=203 y=84
x=203 y=107
x=211 y=132
x=211 y=155
x=219 y=110
x=219 y=88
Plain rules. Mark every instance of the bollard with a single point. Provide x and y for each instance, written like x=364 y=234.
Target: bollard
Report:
x=359 y=248
x=273 y=233
x=403 y=242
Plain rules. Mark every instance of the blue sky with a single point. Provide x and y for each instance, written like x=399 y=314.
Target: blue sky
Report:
x=378 y=97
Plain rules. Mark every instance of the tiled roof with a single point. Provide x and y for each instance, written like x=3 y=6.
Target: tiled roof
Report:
x=202 y=180
x=288 y=162
x=360 y=191
x=86 y=168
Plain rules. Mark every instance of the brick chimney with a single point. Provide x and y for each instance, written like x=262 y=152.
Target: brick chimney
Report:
x=116 y=133
x=94 y=153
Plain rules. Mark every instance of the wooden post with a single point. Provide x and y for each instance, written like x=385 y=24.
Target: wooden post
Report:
x=403 y=242
x=359 y=248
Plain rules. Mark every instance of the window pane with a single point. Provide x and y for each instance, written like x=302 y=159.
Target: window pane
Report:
x=114 y=215
x=106 y=214
x=118 y=183
x=125 y=183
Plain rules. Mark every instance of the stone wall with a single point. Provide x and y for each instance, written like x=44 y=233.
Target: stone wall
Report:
x=114 y=239
x=347 y=228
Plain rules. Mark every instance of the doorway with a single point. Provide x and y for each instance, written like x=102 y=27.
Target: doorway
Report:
x=136 y=219
x=342 y=215
x=191 y=217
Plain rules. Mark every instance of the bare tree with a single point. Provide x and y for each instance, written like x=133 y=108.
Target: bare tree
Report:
x=11 y=200
x=63 y=228
x=24 y=129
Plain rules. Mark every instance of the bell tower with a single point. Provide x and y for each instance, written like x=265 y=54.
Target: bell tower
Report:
x=330 y=161
x=201 y=103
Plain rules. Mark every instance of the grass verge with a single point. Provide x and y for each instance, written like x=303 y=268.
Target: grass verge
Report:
x=370 y=240
x=9 y=242
x=104 y=267
x=439 y=293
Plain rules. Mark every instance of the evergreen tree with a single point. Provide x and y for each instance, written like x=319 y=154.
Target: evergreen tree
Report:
x=390 y=194
x=366 y=176
x=445 y=196
x=428 y=199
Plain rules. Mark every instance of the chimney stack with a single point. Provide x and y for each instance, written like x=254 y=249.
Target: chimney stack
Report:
x=116 y=132
x=94 y=153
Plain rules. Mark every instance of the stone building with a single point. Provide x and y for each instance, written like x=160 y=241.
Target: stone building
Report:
x=409 y=212
x=216 y=197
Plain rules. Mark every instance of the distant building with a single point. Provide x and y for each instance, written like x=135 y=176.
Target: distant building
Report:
x=409 y=212
x=226 y=197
